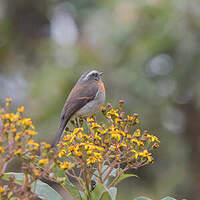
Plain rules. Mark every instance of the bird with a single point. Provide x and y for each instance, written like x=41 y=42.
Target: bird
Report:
x=84 y=100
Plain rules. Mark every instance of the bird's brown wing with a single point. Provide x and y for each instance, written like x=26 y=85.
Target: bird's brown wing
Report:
x=80 y=95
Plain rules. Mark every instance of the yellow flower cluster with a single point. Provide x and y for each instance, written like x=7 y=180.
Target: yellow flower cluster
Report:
x=99 y=144
x=17 y=128
x=90 y=146
x=16 y=134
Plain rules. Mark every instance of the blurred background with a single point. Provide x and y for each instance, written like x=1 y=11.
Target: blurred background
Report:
x=149 y=51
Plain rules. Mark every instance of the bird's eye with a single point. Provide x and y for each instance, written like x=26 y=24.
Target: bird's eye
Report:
x=95 y=75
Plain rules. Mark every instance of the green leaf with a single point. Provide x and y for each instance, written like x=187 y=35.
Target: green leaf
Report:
x=142 y=198
x=168 y=198
x=102 y=193
x=19 y=177
x=124 y=176
x=68 y=185
x=72 y=190
x=113 y=193
x=103 y=175
x=106 y=168
x=44 y=191
x=110 y=194
x=96 y=194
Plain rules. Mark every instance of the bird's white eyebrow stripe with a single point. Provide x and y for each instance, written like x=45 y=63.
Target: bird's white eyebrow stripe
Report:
x=93 y=71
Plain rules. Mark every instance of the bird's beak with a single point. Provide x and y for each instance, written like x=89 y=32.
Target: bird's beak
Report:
x=100 y=73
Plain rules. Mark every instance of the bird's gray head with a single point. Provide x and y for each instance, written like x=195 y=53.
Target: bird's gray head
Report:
x=92 y=75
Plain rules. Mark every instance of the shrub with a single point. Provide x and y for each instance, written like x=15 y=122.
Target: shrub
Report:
x=95 y=155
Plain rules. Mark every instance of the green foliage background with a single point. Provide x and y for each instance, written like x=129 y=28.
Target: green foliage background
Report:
x=149 y=53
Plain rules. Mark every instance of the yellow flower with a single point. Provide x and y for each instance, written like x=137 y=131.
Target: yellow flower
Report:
x=88 y=145
x=6 y=125
x=26 y=122
x=104 y=132
x=149 y=158
x=137 y=121
x=30 y=132
x=91 y=159
x=129 y=136
x=47 y=146
x=103 y=109
x=156 y=145
x=96 y=142
x=117 y=120
x=98 y=156
x=121 y=132
x=32 y=157
x=1 y=190
x=36 y=172
x=145 y=153
x=118 y=157
x=43 y=161
x=67 y=137
x=32 y=142
x=8 y=100
x=153 y=138
x=76 y=130
x=80 y=135
x=78 y=153
x=115 y=133
x=17 y=136
x=94 y=125
x=62 y=152
x=130 y=118
x=129 y=160
x=89 y=152
x=1 y=149
x=21 y=109
x=113 y=112
x=10 y=116
x=116 y=136
x=72 y=138
x=112 y=148
x=65 y=165
x=99 y=148
x=13 y=130
x=139 y=143
x=97 y=137
x=16 y=152
x=90 y=119
x=71 y=148
x=137 y=133
x=136 y=154
x=121 y=145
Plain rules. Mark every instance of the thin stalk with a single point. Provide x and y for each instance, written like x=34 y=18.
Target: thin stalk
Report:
x=110 y=170
x=115 y=179
x=86 y=186
x=100 y=172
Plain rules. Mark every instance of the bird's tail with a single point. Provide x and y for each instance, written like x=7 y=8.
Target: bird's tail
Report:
x=62 y=126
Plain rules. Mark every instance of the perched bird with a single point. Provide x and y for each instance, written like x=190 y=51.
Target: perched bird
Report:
x=84 y=100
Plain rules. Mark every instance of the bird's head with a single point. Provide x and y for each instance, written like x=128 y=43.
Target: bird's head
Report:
x=92 y=75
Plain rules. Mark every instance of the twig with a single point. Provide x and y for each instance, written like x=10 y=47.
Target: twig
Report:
x=110 y=170
x=115 y=179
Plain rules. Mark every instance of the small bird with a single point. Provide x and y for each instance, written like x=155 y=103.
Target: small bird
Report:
x=84 y=100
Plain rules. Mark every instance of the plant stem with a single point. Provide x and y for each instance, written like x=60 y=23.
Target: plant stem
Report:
x=115 y=179
x=110 y=170
x=86 y=186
